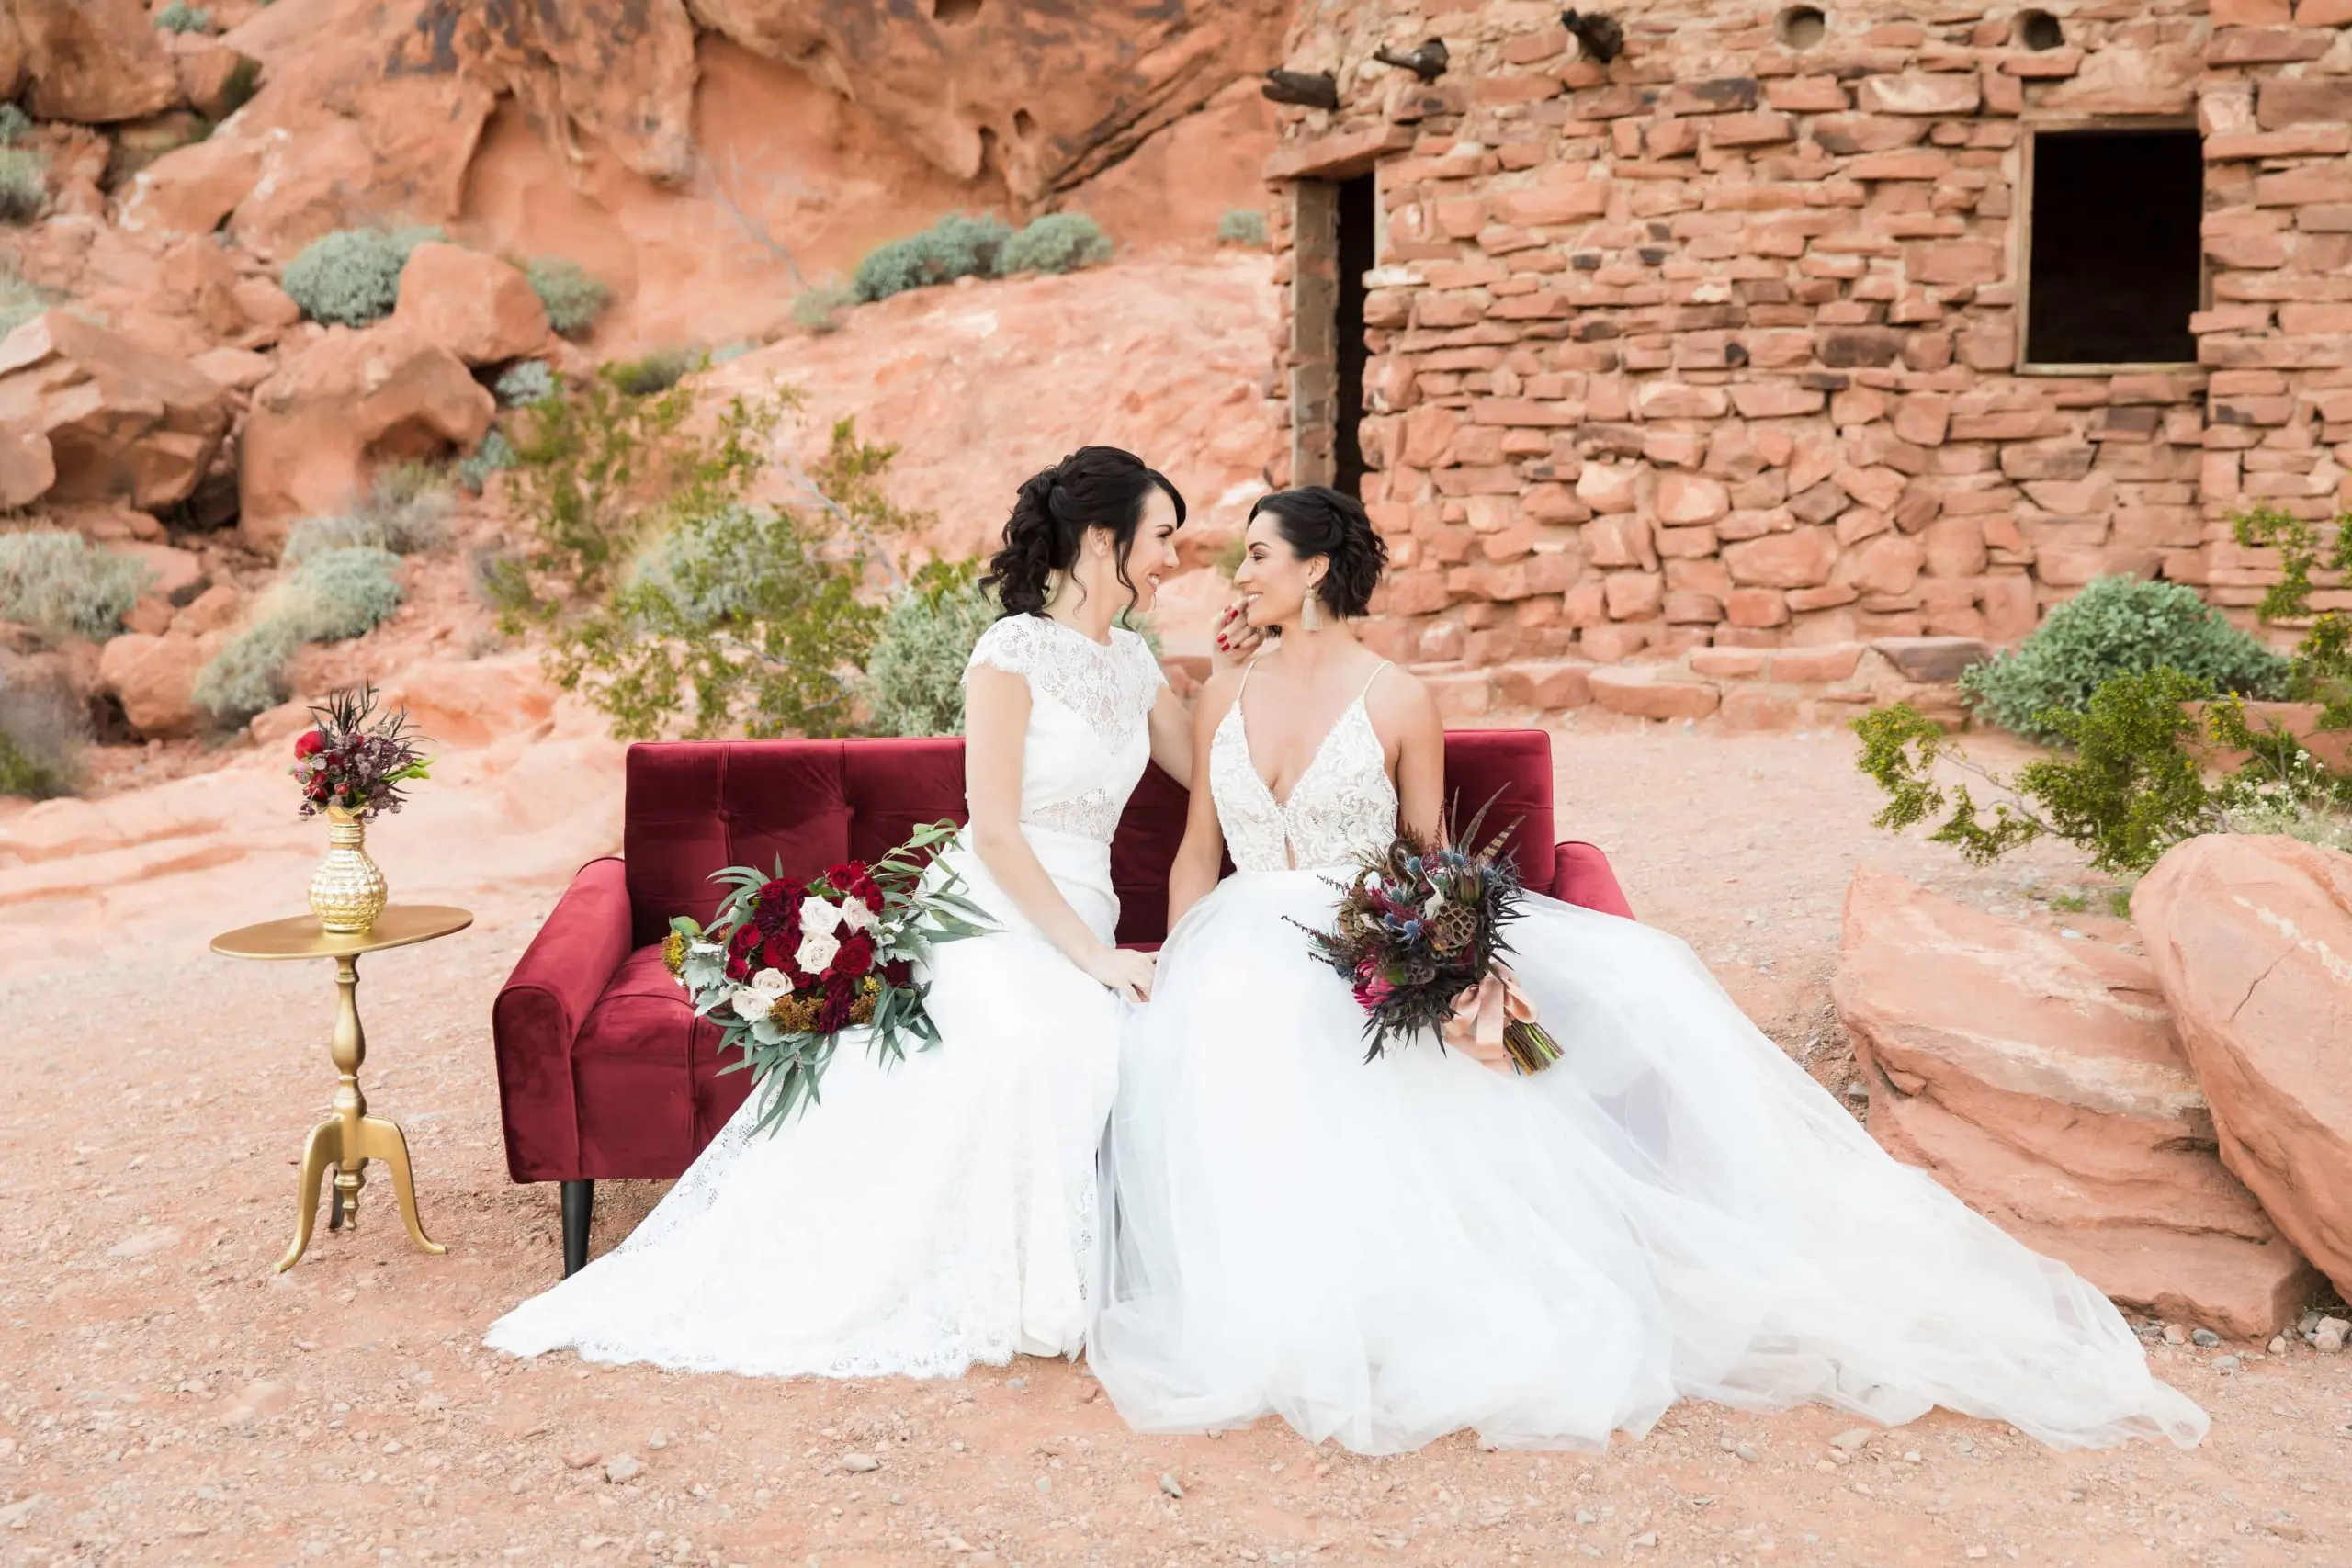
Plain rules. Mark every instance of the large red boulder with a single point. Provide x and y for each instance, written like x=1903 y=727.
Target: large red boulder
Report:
x=121 y=420
x=2041 y=1081
x=2251 y=940
x=477 y=307
x=154 y=679
x=94 y=62
x=332 y=413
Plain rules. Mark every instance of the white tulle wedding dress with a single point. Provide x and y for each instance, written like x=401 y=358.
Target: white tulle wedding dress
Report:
x=1385 y=1252
x=942 y=1212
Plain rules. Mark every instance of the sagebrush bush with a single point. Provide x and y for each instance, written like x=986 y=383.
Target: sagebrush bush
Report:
x=403 y=513
x=15 y=125
x=819 y=310
x=524 y=382
x=352 y=276
x=330 y=594
x=61 y=586
x=1059 y=242
x=494 y=456
x=179 y=17
x=24 y=184
x=657 y=371
x=574 y=298
x=914 y=676
x=957 y=247
x=1242 y=226
x=41 y=732
x=249 y=675
x=2119 y=625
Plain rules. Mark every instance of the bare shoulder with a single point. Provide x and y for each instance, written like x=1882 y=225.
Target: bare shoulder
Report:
x=1219 y=694
x=1401 y=706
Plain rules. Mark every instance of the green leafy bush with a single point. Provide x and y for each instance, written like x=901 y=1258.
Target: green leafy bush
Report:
x=352 y=276
x=59 y=585
x=1059 y=242
x=249 y=675
x=957 y=247
x=524 y=382
x=1242 y=226
x=2323 y=659
x=403 y=513
x=574 y=298
x=15 y=125
x=2119 y=625
x=819 y=310
x=658 y=371
x=41 y=732
x=330 y=594
x=914 y=676
x=179 y=17
x=24 y=184
x=494 y=456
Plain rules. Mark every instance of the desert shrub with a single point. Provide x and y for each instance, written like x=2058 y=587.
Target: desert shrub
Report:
x=819 y=310
x=574 y=298
x=352 y=276
x=15 y=125
x=24 y=184
x=41 y=732
x=730 y=351
x=494 y=456
x=658 y=371
x=330 y=594
x=61 y=586
x=2119 y=625
x=1242 y=226
x=914 y=676
x=957 y=247
x=21 y=301
x=403 y=515
x=524 y=382
x=2322 y=668
x=179 y=17
x=1059 y=242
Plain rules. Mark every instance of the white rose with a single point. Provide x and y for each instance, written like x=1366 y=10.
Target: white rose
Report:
x=774 y=982
x=857 y=916
x=817 y=915
x=751 y=1004
x=817 y=949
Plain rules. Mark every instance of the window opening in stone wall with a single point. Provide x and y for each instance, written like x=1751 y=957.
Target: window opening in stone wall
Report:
x=1359 y=208
x=2114 y=262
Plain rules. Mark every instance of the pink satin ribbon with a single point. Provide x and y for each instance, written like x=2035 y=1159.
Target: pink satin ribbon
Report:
x=1480 y=1013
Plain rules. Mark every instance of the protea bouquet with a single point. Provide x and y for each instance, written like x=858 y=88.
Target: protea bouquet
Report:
x=1419 y=939
x=787 y=966
x=353 y=762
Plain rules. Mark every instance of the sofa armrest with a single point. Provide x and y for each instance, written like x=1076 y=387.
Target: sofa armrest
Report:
x=539 y=1014
x=1581 y=875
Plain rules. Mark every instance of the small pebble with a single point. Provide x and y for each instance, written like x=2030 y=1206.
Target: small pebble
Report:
x=1851 y=1438
x=623 y=1468
x=1746 y=1452
x=2173 y=1336
x=1167 y=1485
x=1016 y=1383
x=2203 y=1338
x=2278 y=1344
x=2225 y=1365
x=657 y=1440
x=859 y=1464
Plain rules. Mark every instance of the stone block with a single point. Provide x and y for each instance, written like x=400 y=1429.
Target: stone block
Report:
x=1638 y=692
x=1932 y=659
x=1549 y=685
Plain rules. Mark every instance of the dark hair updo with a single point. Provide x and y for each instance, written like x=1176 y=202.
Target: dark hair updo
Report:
x=1094 y=486
x=1315 y=520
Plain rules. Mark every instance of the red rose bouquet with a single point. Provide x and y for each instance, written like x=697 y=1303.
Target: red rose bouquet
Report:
x=348 y=764
x=785 y=967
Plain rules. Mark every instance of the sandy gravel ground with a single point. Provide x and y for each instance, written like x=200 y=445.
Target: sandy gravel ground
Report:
x=165 y=1398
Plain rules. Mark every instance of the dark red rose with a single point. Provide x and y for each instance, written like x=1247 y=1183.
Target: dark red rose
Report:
x=744 y=942
x=738 y=971
x=898 y=972
x=308 y=744
x=857 y=954
x=776 y=952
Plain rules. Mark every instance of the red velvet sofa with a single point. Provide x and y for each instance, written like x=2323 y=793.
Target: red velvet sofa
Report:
x=604 y=1071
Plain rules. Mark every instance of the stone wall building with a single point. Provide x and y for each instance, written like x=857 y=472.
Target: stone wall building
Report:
x=1812 y=325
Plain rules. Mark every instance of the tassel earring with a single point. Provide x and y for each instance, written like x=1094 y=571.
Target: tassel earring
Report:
x=1310 y=612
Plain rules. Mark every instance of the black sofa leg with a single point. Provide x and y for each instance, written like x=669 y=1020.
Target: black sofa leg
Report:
x=579 y=1207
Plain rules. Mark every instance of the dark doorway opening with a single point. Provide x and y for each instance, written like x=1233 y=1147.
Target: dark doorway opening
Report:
x=2116 y=265
x=1359 y=214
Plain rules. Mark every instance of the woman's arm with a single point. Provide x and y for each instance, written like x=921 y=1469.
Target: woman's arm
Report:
x=1403 y=712
x=996 y=724
x=1200 y=856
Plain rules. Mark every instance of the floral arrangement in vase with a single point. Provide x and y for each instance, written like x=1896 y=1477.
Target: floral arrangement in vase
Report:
x=352 y=765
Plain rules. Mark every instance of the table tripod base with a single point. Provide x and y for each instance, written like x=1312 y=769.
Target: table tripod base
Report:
x=376 y=1138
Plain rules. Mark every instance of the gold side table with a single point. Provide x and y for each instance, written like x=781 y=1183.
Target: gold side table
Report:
x=350 y=1138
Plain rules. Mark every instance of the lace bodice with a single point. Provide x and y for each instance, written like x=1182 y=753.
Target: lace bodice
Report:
x=1089 y=740
x=1343 y=808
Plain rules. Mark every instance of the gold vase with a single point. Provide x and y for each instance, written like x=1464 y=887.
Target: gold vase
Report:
x=346 y=892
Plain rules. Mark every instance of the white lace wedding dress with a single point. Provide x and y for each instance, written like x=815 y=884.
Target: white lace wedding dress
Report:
x=942 y=1212
x=1385 y=1252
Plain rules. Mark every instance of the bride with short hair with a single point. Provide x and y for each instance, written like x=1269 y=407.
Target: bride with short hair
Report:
x=1383 y=1252
x=944 y=1210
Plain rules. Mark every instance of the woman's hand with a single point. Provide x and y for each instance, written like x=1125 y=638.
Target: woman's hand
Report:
x=1237 y=640
x=1126 y=972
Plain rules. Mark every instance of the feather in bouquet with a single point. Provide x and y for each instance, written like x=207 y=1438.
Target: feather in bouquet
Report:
x=1419 y=939
x=787 y=966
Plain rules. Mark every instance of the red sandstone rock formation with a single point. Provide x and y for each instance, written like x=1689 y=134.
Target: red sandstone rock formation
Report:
x=118 y=420
x=2041 y=1081
x=477 y=307
x=94 y=62
x=2251 y=939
